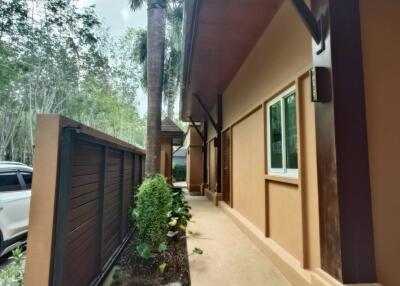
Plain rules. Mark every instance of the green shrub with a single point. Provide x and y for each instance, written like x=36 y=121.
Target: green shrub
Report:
x=179 y=214
x=117 y=274
x=153 y=204
x=179 y=173
x=13 y=273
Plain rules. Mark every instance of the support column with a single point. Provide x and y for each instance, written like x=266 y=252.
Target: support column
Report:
x=347 y=246
x=218 y=128
x=205 y=152
x=219 y=144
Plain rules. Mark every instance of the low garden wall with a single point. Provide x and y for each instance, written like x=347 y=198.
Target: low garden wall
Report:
x=83 y=187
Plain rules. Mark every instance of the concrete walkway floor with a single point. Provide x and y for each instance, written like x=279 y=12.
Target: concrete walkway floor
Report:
x=229 y=258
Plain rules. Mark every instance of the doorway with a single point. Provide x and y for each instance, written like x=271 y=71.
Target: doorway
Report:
x=226 y=167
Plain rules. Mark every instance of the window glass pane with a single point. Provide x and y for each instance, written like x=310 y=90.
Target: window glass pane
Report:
x=275 y=135
x=28 y=179
x=291 y=132
x=9 y=182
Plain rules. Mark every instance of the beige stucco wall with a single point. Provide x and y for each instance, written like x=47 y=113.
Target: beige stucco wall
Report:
x=309 y=176
x=288 y=213
x=194 y=158
x=380 y=26
x=248 y=169
x=284 y=209
x=212 y=133
x=195 y=171
x=194 y=137
x=281 y=53
x=166 y=158
x=41 y=215
x=280 y=57
x=212 y=166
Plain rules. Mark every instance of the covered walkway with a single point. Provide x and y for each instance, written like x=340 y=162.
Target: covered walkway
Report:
x=229 y=258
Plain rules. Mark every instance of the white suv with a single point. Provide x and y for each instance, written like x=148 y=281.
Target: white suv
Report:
x=15 y=197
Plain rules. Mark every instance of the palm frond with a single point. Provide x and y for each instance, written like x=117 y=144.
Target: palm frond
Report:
x=136 y=4
x=157 y=3
x=140 y=46
x=175 y=22
x=139 y=52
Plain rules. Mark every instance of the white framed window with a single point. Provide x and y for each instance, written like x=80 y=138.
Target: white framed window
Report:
x=281 y=122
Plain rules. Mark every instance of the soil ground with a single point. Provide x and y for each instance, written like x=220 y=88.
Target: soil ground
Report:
x=137 y=271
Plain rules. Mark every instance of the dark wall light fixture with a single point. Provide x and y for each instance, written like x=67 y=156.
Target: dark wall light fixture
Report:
x=320 y=76
x=320 y=81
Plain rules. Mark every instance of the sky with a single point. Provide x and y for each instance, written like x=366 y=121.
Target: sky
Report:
x=117 y=16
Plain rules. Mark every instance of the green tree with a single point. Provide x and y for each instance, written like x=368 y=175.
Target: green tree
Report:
x=173 y=54
x=58 y=58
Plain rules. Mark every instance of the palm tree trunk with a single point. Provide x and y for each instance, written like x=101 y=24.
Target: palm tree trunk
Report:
x=169 y=93
x=156 y=16
x=171 y=105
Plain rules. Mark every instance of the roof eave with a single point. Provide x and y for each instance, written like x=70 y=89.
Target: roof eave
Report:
x=215 y=47
x=191 y=8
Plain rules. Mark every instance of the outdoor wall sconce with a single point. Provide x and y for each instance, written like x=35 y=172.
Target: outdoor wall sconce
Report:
x=320 y=84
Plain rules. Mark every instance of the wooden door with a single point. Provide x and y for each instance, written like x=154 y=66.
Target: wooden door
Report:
x=226 y=166
x=212 y=166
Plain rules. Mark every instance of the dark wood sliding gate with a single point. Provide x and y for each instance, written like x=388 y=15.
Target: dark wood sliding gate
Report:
x=96 y=190
x=95 y=185
x=82 y=189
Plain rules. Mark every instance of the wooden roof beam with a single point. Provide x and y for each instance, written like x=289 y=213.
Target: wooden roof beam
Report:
x=197 y=128
x=214 y=124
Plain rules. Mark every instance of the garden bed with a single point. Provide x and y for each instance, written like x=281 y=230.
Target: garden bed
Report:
x=132 y=269
x=157 y=252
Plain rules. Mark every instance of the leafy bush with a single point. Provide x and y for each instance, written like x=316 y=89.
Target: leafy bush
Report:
x=117 y=275
x=153 y=204
x=13 y=274
x=179 y=214
x=179 y=173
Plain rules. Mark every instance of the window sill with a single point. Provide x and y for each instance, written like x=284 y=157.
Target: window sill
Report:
x=285 y=180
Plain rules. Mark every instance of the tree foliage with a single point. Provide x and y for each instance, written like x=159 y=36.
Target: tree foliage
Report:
x=173 y=55
x=172 y=52
x=58 y=58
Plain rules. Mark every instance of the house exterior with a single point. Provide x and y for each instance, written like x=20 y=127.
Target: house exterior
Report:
x=171 y=135
x=179 y=157
x=294 y=118
x=194 y=159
